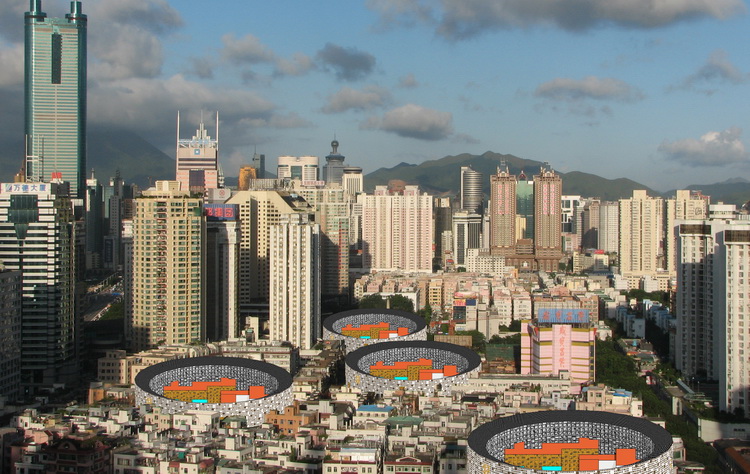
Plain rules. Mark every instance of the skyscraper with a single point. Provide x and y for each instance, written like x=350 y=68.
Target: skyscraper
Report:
x=503 y=211
x=713 y=306
x=471 y=190
x=55 y=96
x=294 y=309
x=332 y=212
x=641 y=235
x=37 y=237
x=397 y=230
x=547 y=219
x=168 y=277
x=198 y=159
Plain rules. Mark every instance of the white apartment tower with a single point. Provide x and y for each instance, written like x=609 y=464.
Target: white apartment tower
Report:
x=168 y=276
x=641 y=234
x=609 y=226
x=258 y=211
x=222 y=271
x=294 y=310
x=397 y=230
x=713 y=306
x=684 y=205
x=332 y=212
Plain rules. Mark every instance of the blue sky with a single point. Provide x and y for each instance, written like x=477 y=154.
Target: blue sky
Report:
x=654 y=90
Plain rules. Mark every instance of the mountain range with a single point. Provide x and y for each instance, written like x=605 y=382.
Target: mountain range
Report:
x=141 y=163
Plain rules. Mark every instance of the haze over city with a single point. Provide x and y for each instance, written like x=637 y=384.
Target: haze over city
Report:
x=655 y=94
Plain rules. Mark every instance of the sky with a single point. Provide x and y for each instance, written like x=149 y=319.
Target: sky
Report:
x=654 y=90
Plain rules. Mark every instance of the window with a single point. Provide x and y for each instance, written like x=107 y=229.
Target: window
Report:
x=56 y=69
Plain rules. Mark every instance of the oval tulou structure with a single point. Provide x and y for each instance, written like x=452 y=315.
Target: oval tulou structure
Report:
x=231 y=386
x=419 y=366
x=570 y=441
x=362 y=327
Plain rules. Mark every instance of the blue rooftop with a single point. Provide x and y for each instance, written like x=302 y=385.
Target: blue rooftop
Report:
x=374 y=408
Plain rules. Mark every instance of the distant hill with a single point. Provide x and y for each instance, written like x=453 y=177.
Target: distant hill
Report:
x=138 y=160
x=442 y=176
x=732 y=191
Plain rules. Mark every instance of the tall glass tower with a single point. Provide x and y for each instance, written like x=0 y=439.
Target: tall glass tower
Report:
x=55 y=97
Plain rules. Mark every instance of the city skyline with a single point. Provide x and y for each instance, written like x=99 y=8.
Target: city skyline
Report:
x=610 y=90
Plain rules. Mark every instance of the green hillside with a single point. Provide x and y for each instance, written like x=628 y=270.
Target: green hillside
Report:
x=138 y=160
x=442 y=176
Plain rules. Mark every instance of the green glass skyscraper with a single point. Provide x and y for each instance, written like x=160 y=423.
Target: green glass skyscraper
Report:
x=55 y=97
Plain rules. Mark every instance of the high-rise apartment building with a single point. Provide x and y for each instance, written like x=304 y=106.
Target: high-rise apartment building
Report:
x=258 y=211
x=332 y=213
x=10 y=333
x=37 y=238
x=471 y=194
x=397 y=230
x=547 y=219
x=525 y=219
x=55 y=96
x=168 y=275
x=503 y=211
x=713 y=319
x=197 y=164
x=294 y=309
x=609 y=226
x=302 y=168
x=94 y=219
x=467 y=234
x=443 y=216
x=684 y=205
x=641 y=235
x=222 y=271
x=352 y=180
x=589 y=230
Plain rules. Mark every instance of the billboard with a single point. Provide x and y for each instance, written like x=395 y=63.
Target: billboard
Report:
x=562 y=316
x=220 y=212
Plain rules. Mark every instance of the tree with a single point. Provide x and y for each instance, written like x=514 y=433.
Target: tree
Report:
x=372 y=301
x=477 y=339
x=426 y=313
x=401 y=302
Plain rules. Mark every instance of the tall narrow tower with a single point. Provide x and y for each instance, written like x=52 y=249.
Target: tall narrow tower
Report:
x=55 y=96
x=503 y=211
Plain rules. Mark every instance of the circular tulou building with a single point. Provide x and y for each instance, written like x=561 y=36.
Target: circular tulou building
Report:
x=420 y=366
x=570 y=441
x=231 y=386
x=362 y=327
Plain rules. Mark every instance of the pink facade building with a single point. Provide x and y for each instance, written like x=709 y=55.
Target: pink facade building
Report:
x=558 y=340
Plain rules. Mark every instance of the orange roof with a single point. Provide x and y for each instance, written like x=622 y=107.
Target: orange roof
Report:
x=175 y=385
x=553 y=448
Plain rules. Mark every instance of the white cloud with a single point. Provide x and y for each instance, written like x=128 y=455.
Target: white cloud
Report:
x=414 y=121
x=711 y=149
x=352 y=99
x=465 y=18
